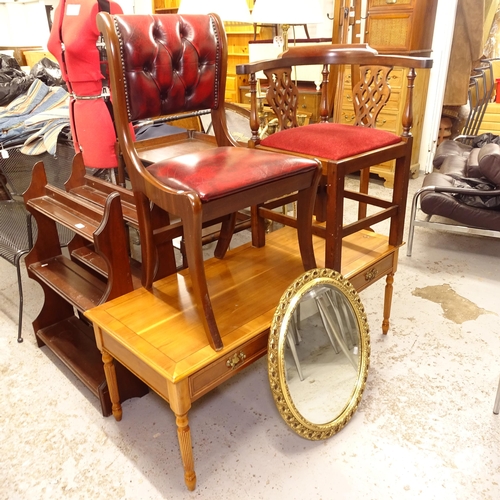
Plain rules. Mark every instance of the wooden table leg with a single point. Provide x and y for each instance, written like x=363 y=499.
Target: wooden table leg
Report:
x=184 y=436
x=387 y=302
x=110 y=373
x=180 y=403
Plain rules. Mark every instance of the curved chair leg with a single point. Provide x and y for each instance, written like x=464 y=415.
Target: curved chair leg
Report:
x=17 y=263
x=290 y=340
x=148 y=250
x=305 y=207
x=226 y=233
x=194 y=254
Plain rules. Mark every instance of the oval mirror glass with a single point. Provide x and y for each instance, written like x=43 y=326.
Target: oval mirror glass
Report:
x=318 y=353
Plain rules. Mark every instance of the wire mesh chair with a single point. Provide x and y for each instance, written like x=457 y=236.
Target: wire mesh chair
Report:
x=17 y=232
x=16 y=239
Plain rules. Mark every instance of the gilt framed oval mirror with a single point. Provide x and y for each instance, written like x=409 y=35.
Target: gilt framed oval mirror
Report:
x=318 y=353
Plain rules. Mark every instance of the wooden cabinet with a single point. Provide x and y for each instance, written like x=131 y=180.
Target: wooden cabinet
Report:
x=390 y=117
x=401 y=26
x=238 y=36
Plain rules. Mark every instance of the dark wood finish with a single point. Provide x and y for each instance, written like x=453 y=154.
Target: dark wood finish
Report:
x=101 y=243
x=371 y=91
x=134 y=98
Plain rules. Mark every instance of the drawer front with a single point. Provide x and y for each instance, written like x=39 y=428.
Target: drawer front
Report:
x=396 y=79
x=373 y=273
x=392 y=104
x=224 y=368
x=385 y=121
x=387 y=5
x=309 y=103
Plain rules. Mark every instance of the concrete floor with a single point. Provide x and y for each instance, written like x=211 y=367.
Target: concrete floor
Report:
x=424 y=428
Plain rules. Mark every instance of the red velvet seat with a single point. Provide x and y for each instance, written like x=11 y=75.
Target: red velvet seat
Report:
x=166 y=64
x=330 y=140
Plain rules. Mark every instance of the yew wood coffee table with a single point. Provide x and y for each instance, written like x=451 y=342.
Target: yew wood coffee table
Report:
x=156 y=333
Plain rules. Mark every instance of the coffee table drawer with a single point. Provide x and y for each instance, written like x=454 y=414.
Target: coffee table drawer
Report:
x=228 y=365
x=373 y=273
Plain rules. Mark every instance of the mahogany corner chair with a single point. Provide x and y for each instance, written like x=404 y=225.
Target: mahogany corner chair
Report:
x=165 y=64
x=342 y=149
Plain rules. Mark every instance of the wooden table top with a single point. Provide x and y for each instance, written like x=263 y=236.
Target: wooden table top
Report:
x=161 y=325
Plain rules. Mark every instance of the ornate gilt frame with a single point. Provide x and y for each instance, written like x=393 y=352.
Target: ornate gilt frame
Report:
x=276 y=357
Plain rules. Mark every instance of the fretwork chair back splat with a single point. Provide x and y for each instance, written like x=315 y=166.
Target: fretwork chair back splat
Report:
x=167 y=64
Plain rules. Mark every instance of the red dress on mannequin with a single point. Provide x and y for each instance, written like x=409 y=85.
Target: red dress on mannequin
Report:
x=92 y=127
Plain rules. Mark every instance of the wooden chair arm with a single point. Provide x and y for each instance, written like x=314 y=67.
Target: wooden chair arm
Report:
x=364 y=61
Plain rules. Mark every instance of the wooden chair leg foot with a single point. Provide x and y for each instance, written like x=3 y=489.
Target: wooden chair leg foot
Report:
x=184 y=436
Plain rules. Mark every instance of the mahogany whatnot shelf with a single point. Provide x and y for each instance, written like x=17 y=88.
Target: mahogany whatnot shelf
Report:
x=96 y=269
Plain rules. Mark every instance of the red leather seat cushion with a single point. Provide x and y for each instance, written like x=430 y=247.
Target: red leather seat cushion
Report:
x=330 y=140
x=218 y=172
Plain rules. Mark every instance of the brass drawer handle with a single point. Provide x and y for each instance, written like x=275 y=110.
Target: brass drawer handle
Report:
x=235 y=360
x=371 y=274
x=348 y=118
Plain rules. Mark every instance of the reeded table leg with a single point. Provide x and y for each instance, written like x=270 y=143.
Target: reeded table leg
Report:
x=184 y=435
x=387 y=302
x=109 y=371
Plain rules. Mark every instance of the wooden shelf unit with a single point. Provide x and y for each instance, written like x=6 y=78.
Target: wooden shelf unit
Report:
x=97 y=269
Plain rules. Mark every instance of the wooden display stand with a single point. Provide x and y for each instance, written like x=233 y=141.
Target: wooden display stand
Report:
x=157 y=334
x=98 y=269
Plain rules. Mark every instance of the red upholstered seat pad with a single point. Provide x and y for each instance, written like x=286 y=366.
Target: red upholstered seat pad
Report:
x=330 y=140
x=218 y=172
